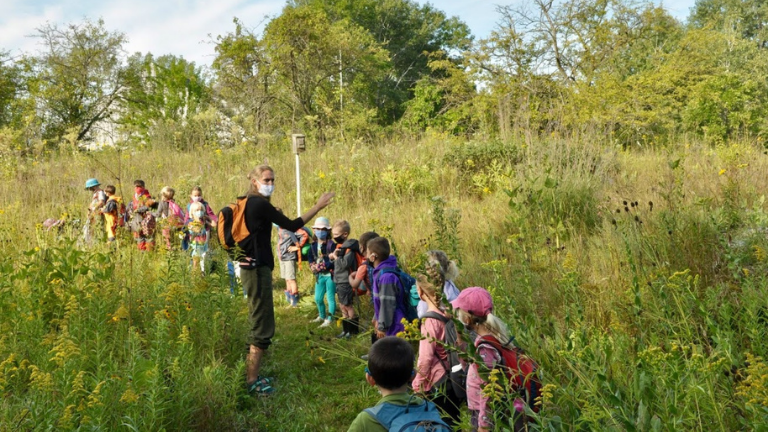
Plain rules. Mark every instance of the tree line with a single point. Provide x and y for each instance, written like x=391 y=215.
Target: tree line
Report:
x=622 y=71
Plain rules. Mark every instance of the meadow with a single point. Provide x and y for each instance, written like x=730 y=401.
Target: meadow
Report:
x=636 y=278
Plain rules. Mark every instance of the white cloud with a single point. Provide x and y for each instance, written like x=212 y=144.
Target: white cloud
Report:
x=179 y=27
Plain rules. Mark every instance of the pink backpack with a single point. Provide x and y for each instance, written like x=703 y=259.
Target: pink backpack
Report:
x=176 y=213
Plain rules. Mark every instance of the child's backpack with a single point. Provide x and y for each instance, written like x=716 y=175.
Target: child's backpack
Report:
x=455 y=373
x=233 y=233
x=305 y=237
x=408 y=286
x=176 y=214
x=361 y=290
x=116 y=207
x=522 y=371
x=422 y=417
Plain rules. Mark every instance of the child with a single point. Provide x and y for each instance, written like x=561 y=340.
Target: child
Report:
x=287 y=249
x=321 y=267
x=98 y=200
x=141 y=198
x=433 y=364
x=360 y=279
x=344 y=263
x=388 y=301
x=198 y=229
x=474 y=307
x=390 y=369
x=172 y=217
x=443 y=271
x=112 y=212
x=145 y=235
x=197 y=197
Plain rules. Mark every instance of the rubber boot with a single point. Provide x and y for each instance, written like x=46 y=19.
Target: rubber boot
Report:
x=344 y=329
x=354 y=326
x=295 y=300
x=287 y=297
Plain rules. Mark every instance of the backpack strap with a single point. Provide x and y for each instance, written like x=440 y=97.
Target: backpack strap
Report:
x=443 y=319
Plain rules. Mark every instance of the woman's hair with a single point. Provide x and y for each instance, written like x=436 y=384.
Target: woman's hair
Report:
x=491 y=322
x=255 y=174
x=444 y=266
x=138 y=183
x=197 y=189
x=167 y=192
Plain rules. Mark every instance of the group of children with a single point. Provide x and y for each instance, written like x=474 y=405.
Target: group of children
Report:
x=346 y=269
x=143 y=215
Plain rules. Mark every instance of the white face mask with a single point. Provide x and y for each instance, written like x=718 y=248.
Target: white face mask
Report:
x=266 y=190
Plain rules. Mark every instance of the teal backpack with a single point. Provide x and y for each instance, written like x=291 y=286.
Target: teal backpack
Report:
x=423 y=417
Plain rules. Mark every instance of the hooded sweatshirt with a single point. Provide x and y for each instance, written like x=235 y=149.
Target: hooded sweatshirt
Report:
x=388 y=302
x=346 y=262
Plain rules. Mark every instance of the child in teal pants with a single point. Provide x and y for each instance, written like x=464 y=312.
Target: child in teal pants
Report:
x=321 y=266
x=325 y=288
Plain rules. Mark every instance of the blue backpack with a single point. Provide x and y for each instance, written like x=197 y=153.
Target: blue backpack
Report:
x=423 y=417
x=408 y=287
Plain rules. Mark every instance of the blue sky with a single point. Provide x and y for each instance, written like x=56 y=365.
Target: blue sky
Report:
x=182 y=27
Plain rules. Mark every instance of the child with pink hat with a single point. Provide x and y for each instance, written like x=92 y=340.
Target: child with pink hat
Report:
x=474 y=308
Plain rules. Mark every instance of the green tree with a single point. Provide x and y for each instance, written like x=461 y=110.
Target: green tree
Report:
x=80 y=77
x=411 y=33
x=11 y=88
x=165 y=88
x=245 y=81
x=308 y=52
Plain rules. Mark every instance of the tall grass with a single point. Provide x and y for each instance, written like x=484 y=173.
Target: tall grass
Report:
x=636 y=278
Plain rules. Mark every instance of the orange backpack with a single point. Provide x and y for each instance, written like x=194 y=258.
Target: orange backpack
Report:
x=233 y=233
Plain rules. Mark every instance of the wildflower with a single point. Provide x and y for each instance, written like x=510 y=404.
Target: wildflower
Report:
x=321 y=360
x=94 y=399
x=321 y=174
x=77 y=385
x=129 y=396
x=184 y=336
x=40 y=380
x=722 y=171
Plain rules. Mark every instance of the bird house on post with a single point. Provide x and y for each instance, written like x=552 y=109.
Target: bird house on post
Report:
x=298 y=143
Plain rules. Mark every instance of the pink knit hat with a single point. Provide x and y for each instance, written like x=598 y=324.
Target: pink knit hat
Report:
x=474 y=300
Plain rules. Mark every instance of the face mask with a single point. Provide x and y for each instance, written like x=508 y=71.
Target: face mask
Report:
x=197 y=198
x=266 y=190
x=139 y=190
x=321 y=235
x=199 y=213
x=338 y=240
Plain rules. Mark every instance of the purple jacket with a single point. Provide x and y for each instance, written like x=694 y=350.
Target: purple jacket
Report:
x=387 y=299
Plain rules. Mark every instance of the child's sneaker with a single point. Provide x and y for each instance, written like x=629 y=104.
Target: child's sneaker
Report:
x=327 y=323
x=317 y=320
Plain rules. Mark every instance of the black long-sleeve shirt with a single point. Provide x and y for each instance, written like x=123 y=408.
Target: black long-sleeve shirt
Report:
x=260 y=214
